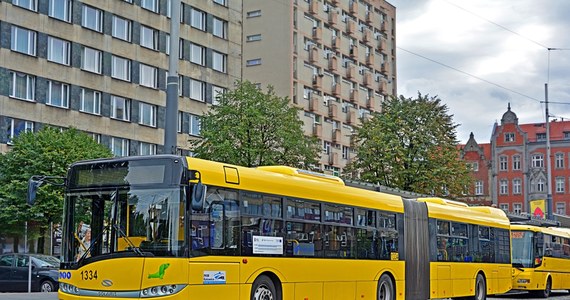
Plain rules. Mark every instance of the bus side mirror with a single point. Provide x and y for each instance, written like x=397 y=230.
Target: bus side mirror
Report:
x=198 y=196
x=34 y=184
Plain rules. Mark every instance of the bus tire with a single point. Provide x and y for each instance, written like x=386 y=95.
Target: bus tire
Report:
x=546 y=292
x=263 y=288
x=480 y=288
x=386 y=290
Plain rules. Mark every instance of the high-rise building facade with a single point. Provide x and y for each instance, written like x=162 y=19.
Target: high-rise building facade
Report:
x=335 y=59
x=101 y=66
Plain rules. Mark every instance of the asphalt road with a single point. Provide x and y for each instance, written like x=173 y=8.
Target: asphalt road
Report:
x=28 y=296
x=555 y=295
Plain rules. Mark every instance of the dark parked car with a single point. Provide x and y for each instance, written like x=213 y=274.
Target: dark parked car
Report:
x=14 y=272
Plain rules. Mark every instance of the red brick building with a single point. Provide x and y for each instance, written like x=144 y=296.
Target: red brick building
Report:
x=510 y=171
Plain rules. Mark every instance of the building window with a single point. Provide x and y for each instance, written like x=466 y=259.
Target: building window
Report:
x=479 y=188
x=27 y=4
x=540 y=185
x=219 y=61
x=16 y=127
x=23 y=86
x=221 y=2
x=122 y=28
x=120 y=108
x=148 y=76
x=559 y=160
x=92 y=18
x=220 y=28
x=147 y=114
x=197 y=89
x=197 y=54
x=475 y=166
x=149 y=38
x=504 y=206
x=151 y=5
x=194 y=126
x=253 y=62
x=254 y=13
x=119 y=146
x=147 y=148
x=58 y=51
x=216 y=93
x=345 y=152
x=60 y=9
x=517 y=208
x=23 y=40
x=509 y=137
x=327 y=147
x=516 y=162
x=560 y=184
x=121 y=68
x=541 y=137
x=198 y=19
x=503 y=163
x=504 y=187
x=91 y=60
x=537 y=161
x=58 y=94
x=517 y=186
x=561 y=208
x=91 y=101
x=253 y=38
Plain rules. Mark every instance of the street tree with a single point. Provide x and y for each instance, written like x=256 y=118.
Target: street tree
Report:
x=411 y=145
x=250 y=127
x=46 y=152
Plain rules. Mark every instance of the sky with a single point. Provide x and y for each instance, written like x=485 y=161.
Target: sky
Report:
x=479 y=55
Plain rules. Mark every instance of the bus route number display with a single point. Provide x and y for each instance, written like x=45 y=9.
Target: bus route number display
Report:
x=267 y=245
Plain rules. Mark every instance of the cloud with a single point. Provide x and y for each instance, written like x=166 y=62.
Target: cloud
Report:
x=487 y=53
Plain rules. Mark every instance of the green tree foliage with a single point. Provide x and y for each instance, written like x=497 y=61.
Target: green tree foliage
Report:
x=411 y=145
x=252 y=128
x=47 y=152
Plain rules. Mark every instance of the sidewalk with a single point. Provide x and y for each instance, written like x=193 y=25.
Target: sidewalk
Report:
x=28 y=296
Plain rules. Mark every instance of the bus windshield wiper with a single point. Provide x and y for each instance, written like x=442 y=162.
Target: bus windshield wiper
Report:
x=518 y=266
x=94 y=242
x=123 y=235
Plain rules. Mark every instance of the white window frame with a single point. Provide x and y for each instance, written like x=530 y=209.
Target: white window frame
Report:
x=516 y=162
x=120 y=108
x=517 y=186
x=219 y=61
x=148 y=76
x=23 y=40
x=147 y=113
x=503 y=187
x=253 y=37
x=220 y=28
x=151 y=5
x=221 y=2
x=503 y=163
x=147 y=148
x=504 y=206
x=197 y=19
x=94 y=107
x=517 y=208
x=91 y=60
x=540 y=185
x=59 y=51
x=254 y=13
x=92 y=18
x=538 y=161
x=27 y=4
x=30 y=86
x=194 y=125
x=559 y=160
x=119 y=146
x=509 y=137
x=60 y=9
x=121 y=68
x=28 y=127
x=560 y=184
x=197 y=90
x=479 y=187
x=197 y=54
x=561 y=208
x=122 y=28
x=58 y=91
x=217 y=90
x=149 y=37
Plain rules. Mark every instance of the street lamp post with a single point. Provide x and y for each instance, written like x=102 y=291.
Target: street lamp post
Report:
x=549 y=205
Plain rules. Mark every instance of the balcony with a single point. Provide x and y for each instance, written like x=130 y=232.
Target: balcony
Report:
x=314 y=7
x=368 y=79
x=350 y=72
x=336 y=42
x=369 y=17
x=350 y=26
x=383 y=45
x=333 y=63
x=367 y=35
x=371 y=103
x=333 y=110
x=354 y=52
x=353 y=7
x=317 y=33
x=385 y=68
x=336 y=135
x=314 y=104
x=317 y=81
x=382 y=87
x=333 y=17
x=370 y=60
x=317 y=130
x=313 y=54
x=336 y=89
x=383 y=27
x=333 y=159
x=351 y=117
x=353 y=95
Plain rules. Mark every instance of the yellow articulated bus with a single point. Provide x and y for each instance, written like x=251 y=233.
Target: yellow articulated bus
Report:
x=541 y=259
x=173 y=227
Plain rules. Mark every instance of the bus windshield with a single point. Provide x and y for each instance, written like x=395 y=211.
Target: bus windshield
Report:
x=522 y=249
x=139 y=221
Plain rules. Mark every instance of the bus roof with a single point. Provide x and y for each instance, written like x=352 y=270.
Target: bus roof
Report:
x=557 y=231
x=440 y=208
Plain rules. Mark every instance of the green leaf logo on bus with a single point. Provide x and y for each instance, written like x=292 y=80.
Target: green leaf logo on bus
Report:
x=160 y=273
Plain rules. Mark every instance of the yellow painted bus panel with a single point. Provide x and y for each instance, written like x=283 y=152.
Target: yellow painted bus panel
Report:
x=366 y=290
x=339 y=290
x=163 y=270
x=123 y=273
x=308 y=291
x=444 y=283
x=214 y=291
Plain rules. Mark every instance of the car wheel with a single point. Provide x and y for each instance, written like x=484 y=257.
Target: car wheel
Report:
x=47 y=286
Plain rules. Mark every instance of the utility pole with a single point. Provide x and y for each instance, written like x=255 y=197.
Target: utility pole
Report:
x=549 y=205
x=171 y=117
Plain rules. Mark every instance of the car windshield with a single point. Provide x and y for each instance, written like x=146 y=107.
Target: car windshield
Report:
x=136 y=220
x=44 y=261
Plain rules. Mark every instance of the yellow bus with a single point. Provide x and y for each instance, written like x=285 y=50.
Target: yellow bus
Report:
x=541 y=259
x=173 y=227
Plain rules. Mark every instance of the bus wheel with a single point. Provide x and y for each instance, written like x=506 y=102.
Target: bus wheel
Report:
x=263 y=288
x=546 y=292
x=480 y=288
x=386 y=289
